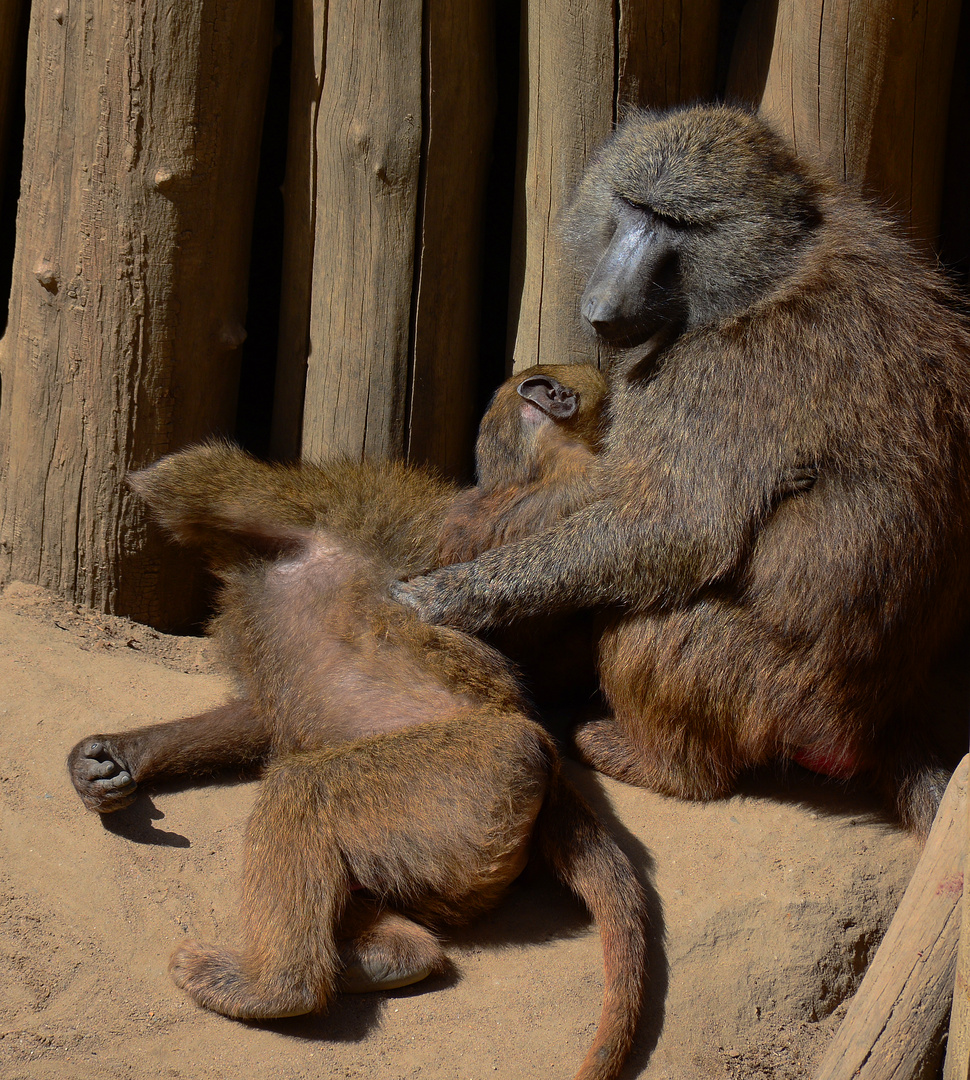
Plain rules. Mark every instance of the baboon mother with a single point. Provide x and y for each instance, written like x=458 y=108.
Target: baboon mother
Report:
x=768 y=323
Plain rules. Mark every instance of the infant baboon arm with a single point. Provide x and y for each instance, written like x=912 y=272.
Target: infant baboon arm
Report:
x=107 y=769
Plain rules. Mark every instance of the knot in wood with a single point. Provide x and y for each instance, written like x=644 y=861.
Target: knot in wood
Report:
x=232 y=334
x=46 y=274
x=167 y=179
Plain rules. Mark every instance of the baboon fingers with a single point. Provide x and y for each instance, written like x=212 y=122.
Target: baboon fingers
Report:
x=101 y=778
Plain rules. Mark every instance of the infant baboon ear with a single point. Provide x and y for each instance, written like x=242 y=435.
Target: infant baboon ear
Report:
x=530 y=410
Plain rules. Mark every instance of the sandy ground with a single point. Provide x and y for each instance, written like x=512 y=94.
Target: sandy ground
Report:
x=767 y=908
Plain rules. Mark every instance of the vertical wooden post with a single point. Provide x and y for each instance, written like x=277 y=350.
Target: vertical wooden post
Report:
x=584 y=63
x=128 y=299
x=307 y=65
x=459 y=118
x=384 y=211
x=368 y=155
x=862 y=86
x=957 y=1063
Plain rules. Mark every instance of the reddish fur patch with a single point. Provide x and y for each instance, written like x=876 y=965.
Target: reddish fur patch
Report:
x=829 y=761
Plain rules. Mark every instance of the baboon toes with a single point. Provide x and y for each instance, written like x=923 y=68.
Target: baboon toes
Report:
x=217 y=980
x=395 y=952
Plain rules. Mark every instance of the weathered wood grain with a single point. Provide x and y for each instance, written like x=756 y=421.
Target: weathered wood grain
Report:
x=894 y=1027
x=397 y=172
x=957 y=1063
x=129 y=281
x=861 y=86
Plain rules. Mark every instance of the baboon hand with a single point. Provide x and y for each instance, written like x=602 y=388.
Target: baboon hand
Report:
x=437 y=598
x=100 y=776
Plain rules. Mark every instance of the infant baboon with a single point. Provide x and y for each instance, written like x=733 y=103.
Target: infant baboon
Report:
x=371 y=722
x=535 y=456
x=768 y=323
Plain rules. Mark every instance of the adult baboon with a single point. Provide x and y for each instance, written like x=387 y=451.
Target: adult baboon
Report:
x=768 y=323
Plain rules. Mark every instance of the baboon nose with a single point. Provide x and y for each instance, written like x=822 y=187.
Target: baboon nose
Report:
x=598 y=312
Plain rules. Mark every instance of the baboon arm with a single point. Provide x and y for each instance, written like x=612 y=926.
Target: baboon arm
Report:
x=593 y=558
x=106 y=769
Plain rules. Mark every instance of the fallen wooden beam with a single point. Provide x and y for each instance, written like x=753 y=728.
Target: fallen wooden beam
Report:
x=895 y=1025
x=957 y=1065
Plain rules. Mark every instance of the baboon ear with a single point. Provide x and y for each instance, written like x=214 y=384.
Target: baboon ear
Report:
x=550 y=395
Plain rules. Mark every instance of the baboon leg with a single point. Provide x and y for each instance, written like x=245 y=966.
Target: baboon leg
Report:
x=295 y=889
x=382 y=950
x=677 y=723
x=106 y=769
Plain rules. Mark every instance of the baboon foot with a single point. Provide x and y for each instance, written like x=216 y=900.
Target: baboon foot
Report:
x=100 y=775
x=218 y=980
x=692 y=770
x=605 y=747
x=390 y=952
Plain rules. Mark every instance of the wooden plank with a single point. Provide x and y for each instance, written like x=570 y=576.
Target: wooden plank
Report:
x=861 y=86
x=307 y=63
x=957 y=1063
x=398 y=161
x=584 y=63
x=460 y=107
x=368 y=153
x=894 y=1027
x=129 y=282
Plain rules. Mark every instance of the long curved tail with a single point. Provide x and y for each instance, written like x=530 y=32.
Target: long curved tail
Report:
x=587 y=859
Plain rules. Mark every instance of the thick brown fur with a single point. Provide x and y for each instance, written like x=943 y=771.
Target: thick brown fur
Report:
x=533 y=468
x=777 y=323
x=534 y=462
x=371 y=722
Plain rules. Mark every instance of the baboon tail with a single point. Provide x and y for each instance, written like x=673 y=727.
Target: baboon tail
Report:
x=296 y=887
x=587 y=859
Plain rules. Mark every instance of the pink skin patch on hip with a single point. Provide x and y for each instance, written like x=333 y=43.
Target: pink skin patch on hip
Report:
x=838 y=762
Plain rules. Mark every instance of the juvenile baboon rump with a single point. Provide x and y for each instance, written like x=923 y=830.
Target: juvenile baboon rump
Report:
x=767 y=323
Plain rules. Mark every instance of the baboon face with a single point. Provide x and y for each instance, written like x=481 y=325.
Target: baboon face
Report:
x=634 y=288
x=684 y=218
